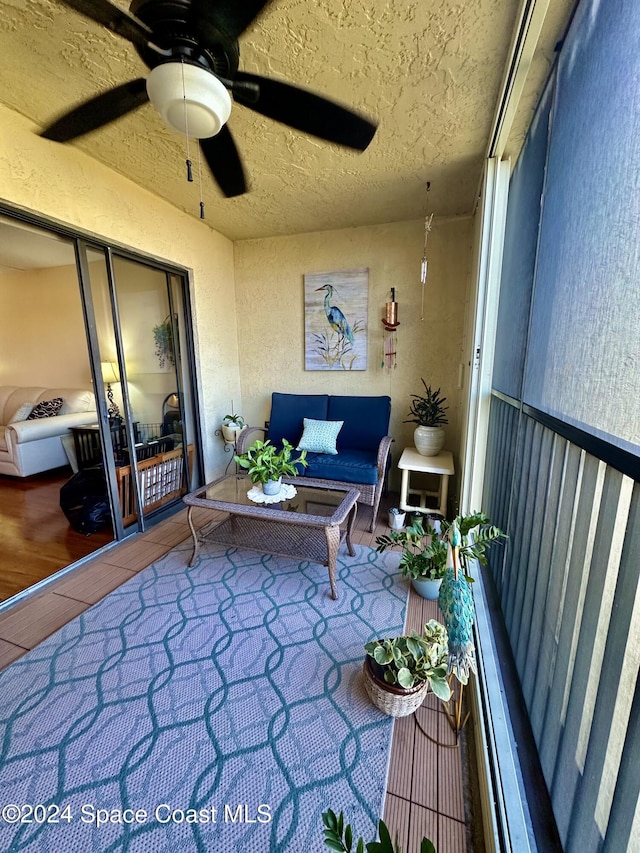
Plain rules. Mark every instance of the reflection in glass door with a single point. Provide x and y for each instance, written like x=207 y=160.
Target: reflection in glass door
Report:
x=44 y=526
x=140 y=327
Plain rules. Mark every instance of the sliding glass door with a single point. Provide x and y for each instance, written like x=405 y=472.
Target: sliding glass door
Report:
x=110 y=333
x=139 y=337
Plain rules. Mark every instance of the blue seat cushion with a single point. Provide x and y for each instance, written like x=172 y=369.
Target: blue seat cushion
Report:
x=350 y=466
x=288 y=411
x=366 y=421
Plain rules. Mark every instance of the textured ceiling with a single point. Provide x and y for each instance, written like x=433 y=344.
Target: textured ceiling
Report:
x=429 y=71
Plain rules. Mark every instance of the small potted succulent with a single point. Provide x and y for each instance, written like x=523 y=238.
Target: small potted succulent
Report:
x=398 y=671
x=232 y=426
x=428 y=412
x=267 y=465
x=424 y=556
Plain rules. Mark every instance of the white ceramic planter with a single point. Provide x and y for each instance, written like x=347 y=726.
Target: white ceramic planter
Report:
x=427 y=588
x=397 y=520
x=428 y=440
x=272 y=487
x=230 y=433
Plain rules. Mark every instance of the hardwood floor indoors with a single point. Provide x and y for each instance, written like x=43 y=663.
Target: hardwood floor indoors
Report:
x=430 y=789
x=37 y=539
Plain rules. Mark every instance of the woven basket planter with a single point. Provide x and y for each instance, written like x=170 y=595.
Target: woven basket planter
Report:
x=391 y=700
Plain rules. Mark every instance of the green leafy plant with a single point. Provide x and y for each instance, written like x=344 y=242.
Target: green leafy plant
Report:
x=428 y=410
x=234 y=420
x=339 y=837
x=413 y=659
x=424 y=553
x=265 y=462
x=163 y=337
x=476 y=534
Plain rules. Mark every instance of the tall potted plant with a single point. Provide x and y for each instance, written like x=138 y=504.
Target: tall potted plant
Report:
x=428 y=412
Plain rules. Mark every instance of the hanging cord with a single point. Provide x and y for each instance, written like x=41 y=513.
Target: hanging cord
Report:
x=186 y=123
x=424 y=263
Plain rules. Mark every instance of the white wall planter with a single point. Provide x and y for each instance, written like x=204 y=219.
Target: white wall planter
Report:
x=428 y=440
x=427 y=588
x=230 y=433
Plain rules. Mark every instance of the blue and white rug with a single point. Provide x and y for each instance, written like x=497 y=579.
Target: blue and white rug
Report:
x=218 y=708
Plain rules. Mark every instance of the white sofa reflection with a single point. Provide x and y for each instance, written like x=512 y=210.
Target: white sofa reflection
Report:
x=31 y=446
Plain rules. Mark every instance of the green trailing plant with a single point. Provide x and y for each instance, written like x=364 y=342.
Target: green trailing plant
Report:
x=338 y=836
x=428 y=410
x=424 y=553
x=410 y=660
x=163 y=337
x=265 y=462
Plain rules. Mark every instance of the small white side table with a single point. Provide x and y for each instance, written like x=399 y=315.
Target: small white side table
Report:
x=442 y=464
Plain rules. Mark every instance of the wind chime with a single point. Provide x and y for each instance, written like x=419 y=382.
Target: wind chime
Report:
x=424 y=263
x=390 y=342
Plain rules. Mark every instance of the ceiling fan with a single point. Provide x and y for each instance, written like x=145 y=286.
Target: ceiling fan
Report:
x=191 y=47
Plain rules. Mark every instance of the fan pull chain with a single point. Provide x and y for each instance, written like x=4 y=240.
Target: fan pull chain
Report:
x=186 y=125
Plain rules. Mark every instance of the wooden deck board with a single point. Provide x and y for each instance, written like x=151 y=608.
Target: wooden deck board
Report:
x=38 y=618
x=93 y=583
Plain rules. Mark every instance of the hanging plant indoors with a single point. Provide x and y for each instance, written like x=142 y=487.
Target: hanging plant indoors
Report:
x=163 y=337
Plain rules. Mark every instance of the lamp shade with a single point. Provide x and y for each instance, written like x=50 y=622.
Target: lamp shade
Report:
x=110 y=372
x=189 y=98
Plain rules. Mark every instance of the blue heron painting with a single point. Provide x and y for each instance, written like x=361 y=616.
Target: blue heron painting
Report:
x=336 y=318
x=336 y=306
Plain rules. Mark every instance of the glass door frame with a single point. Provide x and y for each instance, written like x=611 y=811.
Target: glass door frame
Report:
x=82 y=246
x=82 y=242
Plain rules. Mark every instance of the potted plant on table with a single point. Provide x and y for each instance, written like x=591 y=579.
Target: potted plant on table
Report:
x=424 y=556
x=266 y=465
x=428 y=412
x=398 y=671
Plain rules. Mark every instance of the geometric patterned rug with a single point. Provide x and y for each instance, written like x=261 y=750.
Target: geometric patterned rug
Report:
x=213 y=708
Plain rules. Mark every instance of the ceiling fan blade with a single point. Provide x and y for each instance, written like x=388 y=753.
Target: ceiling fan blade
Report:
x=231 y=16
x=98 y=111
x=105 y=13
x=307 y=112
x=223 y=159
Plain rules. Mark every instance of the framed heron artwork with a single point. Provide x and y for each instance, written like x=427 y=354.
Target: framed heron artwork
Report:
x=335 y=320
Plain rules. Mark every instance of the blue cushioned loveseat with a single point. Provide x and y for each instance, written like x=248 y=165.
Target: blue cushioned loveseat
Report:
x=363 y=444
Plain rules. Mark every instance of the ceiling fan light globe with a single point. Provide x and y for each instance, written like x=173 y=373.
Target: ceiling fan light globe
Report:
x=189 y=98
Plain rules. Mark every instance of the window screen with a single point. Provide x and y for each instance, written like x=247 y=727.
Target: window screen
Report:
x=520 y=244
x=583 y=362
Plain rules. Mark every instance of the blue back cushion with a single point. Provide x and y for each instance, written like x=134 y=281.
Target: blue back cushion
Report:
x=288 y=410
x=366 y=420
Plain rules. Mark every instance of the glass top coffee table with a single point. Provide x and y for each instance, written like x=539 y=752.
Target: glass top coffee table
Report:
x=310 y=525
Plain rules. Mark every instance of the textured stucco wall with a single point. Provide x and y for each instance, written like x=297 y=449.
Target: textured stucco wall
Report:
x=63 y=184
x=270 y=299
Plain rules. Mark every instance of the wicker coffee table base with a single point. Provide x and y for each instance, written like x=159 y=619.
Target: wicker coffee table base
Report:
x=316 y=543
